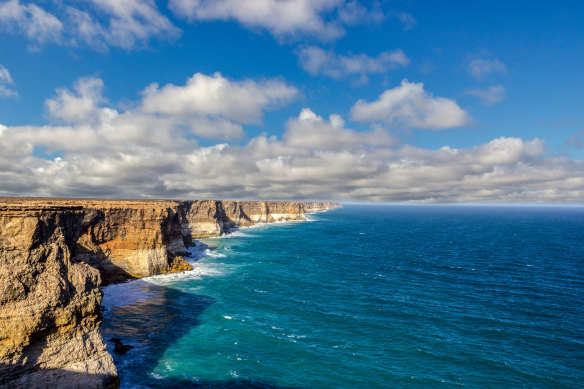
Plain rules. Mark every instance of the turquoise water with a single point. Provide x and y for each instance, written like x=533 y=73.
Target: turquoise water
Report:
x=367 y=297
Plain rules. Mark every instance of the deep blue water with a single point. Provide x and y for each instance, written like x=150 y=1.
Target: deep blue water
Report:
x=367 y=297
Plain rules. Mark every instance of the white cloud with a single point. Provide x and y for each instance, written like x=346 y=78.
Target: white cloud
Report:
x=30 y=20
x=6 y=83
x=282 y=18
x=354 y=13
x=318 y=61
x=491 y=95
x=215 y=95
x=131 y=23
x=508 y=151
x=312 y=131
x=81 y=105
x=208 y=107
x=479 y=68
x=411 y=106
x=128 y=24
x=5 y=77
x=142 y=154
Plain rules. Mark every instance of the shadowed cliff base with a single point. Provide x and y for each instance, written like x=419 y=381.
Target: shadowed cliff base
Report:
x=148 y=318
x=59 y=378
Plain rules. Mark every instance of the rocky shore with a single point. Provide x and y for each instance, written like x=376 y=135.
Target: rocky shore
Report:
x=56 y=253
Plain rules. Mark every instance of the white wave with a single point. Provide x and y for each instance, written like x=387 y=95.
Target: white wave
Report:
x=296 y=336
x=117 y=295
x=199 y=271
x=235 y=234
x=214 y=254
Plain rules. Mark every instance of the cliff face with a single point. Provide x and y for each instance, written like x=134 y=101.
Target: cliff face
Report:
x=49 y=304
x=205 y=218
x=54 y=255
x=132 y=239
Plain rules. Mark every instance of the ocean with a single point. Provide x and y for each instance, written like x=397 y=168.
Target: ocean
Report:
x=366 y=296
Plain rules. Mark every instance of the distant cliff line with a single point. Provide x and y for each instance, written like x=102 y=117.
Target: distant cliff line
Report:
x=55 y=253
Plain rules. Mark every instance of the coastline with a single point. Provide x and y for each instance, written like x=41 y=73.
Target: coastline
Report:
x=79 y=245
x=142 y=298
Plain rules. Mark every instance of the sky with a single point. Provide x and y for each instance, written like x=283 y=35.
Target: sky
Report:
x=367 y=101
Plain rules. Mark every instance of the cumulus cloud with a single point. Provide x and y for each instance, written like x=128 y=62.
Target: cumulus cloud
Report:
x=480 y=68
x=138 y=153
x=86 y=121
x=311 y=131
x=100 y=24
x=30 y=20
x=133 y=24
x=491 y=95
x=129 y=23
x=80 y=105
x=283 y=19
x=411 y=106
x=217 y=96
x=6 y=83
x=316 y=60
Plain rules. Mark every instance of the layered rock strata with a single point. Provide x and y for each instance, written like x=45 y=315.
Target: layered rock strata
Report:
x=49 y=304
x=55 y=253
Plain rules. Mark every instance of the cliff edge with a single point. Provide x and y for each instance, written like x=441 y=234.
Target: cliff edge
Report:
x=49 y=304
x=55 y=253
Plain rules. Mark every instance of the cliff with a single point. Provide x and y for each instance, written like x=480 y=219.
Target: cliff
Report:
x=49 y=303
x=132 y=239
x=55 y=253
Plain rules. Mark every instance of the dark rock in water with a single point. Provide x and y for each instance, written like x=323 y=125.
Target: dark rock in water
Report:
x=120 y=348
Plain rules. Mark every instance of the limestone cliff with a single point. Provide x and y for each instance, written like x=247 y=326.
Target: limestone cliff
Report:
x=132 y=239
x=55 y=253
x=206 y=218
x=49 y=304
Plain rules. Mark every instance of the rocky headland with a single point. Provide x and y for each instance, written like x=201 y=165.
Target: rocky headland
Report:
x=56 y=253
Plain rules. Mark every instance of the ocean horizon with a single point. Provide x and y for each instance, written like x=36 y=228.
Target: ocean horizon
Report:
x=365 y=296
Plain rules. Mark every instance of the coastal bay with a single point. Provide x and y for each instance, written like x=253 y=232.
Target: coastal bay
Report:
x=56 y=253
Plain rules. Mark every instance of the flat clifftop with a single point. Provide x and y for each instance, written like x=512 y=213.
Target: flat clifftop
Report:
x=69 y=201
x=54 y=202
x=56 y=252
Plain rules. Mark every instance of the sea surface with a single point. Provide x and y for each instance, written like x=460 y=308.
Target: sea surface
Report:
x=384 y=296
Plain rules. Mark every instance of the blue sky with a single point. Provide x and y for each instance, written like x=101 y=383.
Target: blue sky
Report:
x=451 y=101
